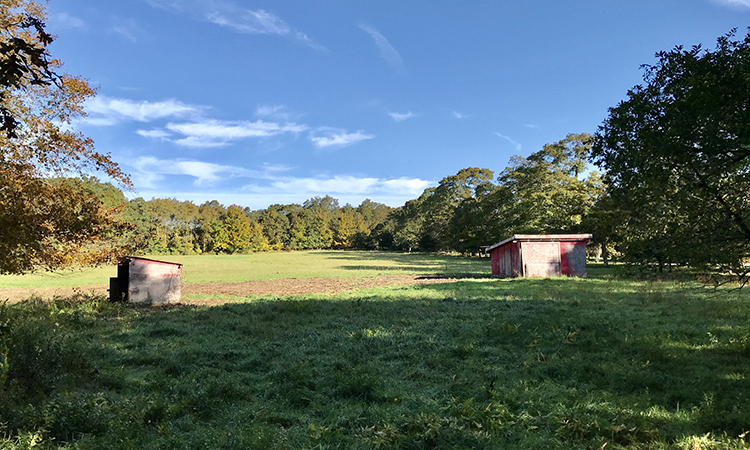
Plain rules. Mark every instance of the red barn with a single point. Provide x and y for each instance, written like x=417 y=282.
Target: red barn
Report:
x=540 y=255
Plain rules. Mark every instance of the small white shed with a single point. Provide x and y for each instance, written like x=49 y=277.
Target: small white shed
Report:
x=146 y=281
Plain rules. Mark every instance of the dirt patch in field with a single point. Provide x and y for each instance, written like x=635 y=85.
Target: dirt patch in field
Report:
x=281 y=287
x=48 y=293
x=297 y=286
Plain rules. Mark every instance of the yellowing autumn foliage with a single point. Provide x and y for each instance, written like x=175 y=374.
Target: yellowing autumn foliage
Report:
x=45 y=223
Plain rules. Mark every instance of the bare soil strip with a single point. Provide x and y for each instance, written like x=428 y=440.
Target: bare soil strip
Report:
x=280 y=287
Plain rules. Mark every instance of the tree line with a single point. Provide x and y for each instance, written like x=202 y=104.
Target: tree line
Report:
x=171 y=226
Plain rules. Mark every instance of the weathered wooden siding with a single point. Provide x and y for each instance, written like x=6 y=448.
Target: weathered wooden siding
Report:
x=573 y=258
x=540 y=256
x=154 y=282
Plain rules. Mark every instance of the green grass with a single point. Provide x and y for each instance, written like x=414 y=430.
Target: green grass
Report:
x=265 y=266
x=477 y=363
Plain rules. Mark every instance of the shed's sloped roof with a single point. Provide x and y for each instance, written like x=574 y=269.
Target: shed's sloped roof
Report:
x=543 y=238
x=150 y=261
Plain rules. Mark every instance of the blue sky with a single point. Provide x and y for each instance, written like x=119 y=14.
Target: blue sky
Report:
x=262 y=102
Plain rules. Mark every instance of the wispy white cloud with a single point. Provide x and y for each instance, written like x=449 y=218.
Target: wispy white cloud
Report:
x=127 y=28
x=125 y=32
x=387 y=52
x=66 y=21
x=742 y=4
x=414 y=186
x=150 y=170
x=277 y=112
x=267 y=184
x=197 y=131
x=531 y=125
x=154 y=134
x=104 y=110
x=234 y=16
x=318 y=186
x=515 y=144
x=248 y=21
x=400 y=117
x=324 y=137
x=216 y=133
x=458 y=115
x=342 y=184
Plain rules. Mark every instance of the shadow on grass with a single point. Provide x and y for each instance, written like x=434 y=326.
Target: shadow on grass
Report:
x=513 y=363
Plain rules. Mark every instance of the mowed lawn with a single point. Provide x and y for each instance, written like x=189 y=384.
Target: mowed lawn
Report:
x=266 y=266
x=599 y=363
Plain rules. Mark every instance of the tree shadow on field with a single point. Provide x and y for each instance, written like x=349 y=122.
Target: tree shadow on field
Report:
x=580 y=342
x=624 y=347
x=476 y=362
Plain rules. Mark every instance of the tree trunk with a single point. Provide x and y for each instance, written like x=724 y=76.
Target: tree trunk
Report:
x=605 y=254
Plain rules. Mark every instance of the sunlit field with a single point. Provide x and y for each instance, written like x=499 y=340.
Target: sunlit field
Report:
x=265 y=266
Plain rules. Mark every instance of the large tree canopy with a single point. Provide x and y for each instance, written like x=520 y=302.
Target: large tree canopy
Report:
x=45 y=224
x=677 y=157
x=547 y=191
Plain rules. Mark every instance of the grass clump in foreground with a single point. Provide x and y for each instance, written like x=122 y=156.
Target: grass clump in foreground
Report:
x=559 y=363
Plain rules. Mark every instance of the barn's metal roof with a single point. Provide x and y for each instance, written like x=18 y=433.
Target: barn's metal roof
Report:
x=542 y=238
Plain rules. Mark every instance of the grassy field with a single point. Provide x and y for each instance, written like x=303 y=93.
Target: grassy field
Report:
x=477 y=363
x=264 y=266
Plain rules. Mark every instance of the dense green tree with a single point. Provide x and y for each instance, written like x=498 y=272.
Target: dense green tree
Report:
x=311 y=224
x=275 y=226
x=408 y=224
x=382 y=236
x=473 y=223
x=607 y=222
x=546 y=192
x=349 y=230
x=326 y=204
x=373 y=213
x=137 y=214
x=173 y=224
x=677 y=157
x=208 y=222
x=108 y=194
x=439 y=206
x=236 y=232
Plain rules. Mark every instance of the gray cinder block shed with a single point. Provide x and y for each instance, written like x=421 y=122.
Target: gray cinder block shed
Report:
x=146 y=281
x=540 y=255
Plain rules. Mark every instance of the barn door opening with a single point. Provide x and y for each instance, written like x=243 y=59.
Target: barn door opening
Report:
x=541 y=259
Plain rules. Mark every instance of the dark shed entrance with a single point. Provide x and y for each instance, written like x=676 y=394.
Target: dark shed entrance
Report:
x=142 y=280
x=540 y=255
